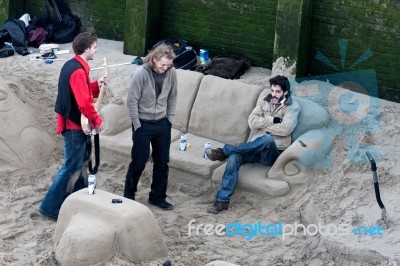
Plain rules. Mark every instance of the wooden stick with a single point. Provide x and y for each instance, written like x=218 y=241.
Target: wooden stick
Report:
x=96 y=68
x=23 y=66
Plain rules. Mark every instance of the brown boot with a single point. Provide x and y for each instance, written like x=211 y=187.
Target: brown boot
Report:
x=218 y=207
x=216 y=154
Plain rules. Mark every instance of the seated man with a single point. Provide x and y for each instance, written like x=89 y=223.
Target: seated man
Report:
x=272 y=122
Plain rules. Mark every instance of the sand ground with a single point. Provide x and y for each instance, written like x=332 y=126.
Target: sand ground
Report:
x=340 y=194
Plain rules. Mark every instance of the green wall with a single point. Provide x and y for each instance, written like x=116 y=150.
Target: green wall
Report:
x=10 y=9
x=249 y=27
x=366 y=25
x=105 y=17
x=246 y=27
x=4 y=11
x=292 y=33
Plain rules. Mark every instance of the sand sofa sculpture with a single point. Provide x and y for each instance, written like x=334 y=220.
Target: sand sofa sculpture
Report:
x=91 y=229
x=213 y=109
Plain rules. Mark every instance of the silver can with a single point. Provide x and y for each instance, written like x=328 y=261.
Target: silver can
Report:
x=183 y=142
x=92 y=184
x=206 y=146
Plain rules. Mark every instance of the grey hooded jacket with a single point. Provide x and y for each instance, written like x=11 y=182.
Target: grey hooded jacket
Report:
x=142 y=101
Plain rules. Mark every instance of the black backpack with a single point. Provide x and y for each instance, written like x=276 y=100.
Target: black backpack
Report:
x=227 y=65
x=67 y=25
x=13 y=32
x=186 y=57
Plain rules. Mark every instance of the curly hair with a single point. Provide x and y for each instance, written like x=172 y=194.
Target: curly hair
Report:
x=83 y=41
x=281 y=81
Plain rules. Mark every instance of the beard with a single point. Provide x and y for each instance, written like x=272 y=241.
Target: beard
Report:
x=275 y=100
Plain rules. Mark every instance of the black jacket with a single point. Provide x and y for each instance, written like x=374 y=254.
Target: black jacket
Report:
x=14 y=32
x=66 y=104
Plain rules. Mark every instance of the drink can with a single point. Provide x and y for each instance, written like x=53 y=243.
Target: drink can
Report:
x=92 y=184
x=203 y=56
x=206 y=146
x=183 y=142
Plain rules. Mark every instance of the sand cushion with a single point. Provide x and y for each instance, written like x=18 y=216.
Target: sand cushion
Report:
x=311 y=116
x=191 y=163
x=91 y=229
x=219 y=114
x=120 y=143
x=221 y=109
x=188 y=85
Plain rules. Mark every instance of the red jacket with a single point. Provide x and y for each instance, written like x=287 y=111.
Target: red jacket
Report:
x=84 y=92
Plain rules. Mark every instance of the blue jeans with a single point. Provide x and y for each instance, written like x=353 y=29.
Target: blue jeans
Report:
x=69 y=178
x=158 y=134
x=262 y=150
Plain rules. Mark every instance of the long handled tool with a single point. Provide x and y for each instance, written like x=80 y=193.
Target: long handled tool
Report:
x=376 y=186
x=137 y=61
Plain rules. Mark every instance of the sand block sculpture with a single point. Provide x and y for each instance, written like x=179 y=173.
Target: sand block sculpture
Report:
x=91 y=229
x=23 y=143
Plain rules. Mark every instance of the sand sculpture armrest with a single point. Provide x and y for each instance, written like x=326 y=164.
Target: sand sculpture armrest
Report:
x=294 y=165
x=115 y=117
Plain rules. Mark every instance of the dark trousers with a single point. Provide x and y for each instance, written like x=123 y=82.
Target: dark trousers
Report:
x=158 y=134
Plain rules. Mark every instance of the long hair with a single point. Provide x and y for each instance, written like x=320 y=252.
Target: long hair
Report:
x=83 y=41
x=157 y=53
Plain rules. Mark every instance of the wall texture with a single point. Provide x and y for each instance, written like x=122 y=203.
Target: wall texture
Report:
x=371 y=26
x=246 y=27
x=371 y=29
x=105 y=17
x=4 y=10
x=10 y=9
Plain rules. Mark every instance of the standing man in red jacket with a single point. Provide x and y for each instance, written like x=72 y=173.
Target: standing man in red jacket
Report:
x=75 y=97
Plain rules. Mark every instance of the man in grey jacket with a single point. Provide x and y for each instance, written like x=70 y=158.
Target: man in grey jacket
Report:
x=152 y=103
x=272 y=122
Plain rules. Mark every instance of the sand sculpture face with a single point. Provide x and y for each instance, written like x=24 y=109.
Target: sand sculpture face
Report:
x=22 y=142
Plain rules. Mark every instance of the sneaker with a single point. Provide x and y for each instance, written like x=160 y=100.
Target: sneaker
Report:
x=47 y=216
x=218 y=207
x=163 y=205
x=216 y=154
